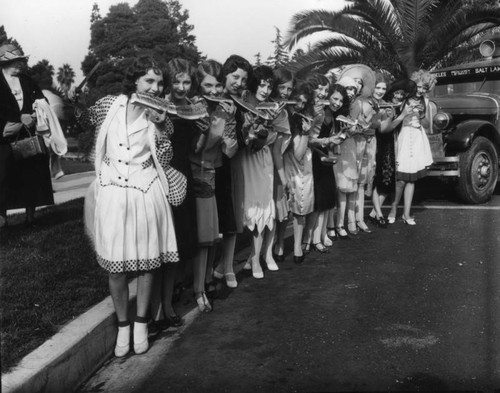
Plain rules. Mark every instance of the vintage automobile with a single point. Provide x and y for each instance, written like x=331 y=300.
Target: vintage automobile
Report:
x=465 y=135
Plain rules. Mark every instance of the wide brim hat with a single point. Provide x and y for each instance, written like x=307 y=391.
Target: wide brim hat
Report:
x=11 y=52
x=406 y=85
x=363 y=72
x=347 y=81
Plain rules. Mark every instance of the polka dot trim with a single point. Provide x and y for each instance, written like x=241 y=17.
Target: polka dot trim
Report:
x=135 y=265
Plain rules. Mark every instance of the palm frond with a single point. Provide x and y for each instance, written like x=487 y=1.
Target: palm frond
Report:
x=306 y=23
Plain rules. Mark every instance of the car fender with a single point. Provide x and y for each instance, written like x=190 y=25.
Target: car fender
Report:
x=465 y=132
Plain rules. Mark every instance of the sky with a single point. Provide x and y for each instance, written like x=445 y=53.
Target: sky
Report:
x=59 y=30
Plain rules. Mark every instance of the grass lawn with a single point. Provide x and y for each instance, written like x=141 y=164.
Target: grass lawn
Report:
x=49 y=276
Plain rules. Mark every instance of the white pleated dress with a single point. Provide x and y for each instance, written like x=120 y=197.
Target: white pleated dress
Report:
x=133 y=219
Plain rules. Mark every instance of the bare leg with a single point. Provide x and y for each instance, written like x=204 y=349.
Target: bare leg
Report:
x=341 y=208
x=118 y=288
x=267 y=248
x=258 y=239
x=199 y=270
x=308 y=230
x=408 y=198
x=376 y=211
x=351 y=209
x=144 y=287
x=330 y=219
x=228 y=245
x=360 y=204
x=280 y=237
x=157 y=294
x=298 y=231
x=328 y=231
x=400 y=185
x=319 y=227
x=168 y=270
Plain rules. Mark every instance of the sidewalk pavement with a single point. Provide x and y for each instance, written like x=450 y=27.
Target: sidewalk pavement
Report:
x=67 y=188
x=80 y=348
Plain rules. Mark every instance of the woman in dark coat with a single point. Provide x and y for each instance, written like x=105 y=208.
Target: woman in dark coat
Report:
x=24 y=183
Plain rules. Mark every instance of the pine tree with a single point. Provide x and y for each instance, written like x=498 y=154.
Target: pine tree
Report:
x=96 y=14
x=5 y=39
x=279 y=58
x=257 y=59
x=152 y=27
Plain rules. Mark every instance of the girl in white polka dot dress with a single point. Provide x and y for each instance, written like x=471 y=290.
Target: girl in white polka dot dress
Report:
x=127 y=209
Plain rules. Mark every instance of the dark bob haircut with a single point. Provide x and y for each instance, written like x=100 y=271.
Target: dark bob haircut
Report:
x=307 y=90
x=209 y=67
x=281 y=76
x=336 y=88
x=260 y=73
x=234 y=62
x=139 y=67
x=178 y=66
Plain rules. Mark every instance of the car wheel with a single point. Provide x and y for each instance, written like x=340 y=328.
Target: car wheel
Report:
x=478 y=168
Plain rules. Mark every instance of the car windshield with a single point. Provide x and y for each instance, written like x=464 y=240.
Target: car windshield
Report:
x=484 y=86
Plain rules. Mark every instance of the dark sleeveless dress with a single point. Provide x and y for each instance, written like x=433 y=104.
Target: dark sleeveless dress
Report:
x=325 y=188
x=185 y=214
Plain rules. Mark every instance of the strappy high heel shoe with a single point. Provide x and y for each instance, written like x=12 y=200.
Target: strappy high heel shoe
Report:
x=331 y=233
x=203 y=303
x=362 y=225
x=320 y=247
x=350 y=229
x=409 y=220
x=306 y=248
x=391 y=219
x=342 y=233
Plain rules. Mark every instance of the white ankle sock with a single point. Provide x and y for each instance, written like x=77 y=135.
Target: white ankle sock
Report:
x=140 y=332
x=123 y=337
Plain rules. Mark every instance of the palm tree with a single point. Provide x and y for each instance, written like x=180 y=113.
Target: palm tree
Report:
x=396 y=35
x=65 y=77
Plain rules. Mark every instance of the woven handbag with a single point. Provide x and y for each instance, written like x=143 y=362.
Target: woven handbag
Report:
x=28 y=147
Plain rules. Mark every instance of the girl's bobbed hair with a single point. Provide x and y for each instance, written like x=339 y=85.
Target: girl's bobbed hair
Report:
x=260 y=73
x=178 y=66
x=139 y=67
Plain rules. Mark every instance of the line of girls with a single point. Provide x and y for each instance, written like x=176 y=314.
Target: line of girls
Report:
x=241 y=170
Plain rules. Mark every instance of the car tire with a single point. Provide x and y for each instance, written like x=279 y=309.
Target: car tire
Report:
x=478 y=168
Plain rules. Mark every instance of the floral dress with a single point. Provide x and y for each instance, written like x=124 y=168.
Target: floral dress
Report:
x=300 y=173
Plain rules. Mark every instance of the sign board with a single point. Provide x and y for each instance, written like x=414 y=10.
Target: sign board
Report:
x=491 y=72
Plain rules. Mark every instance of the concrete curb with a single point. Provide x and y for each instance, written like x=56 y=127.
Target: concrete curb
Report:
x=67 y=359
x=70 y=357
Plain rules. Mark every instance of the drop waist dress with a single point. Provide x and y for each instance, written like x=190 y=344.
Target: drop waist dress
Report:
x=134 y=228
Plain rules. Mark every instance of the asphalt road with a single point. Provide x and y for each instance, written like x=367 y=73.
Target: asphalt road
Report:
x=401 y=309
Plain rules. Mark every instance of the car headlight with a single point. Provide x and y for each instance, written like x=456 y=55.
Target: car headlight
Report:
x=441 y=120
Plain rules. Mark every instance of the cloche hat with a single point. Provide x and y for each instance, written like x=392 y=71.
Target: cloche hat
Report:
x=406 y=85
x=362 y=72
x=11 y=52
